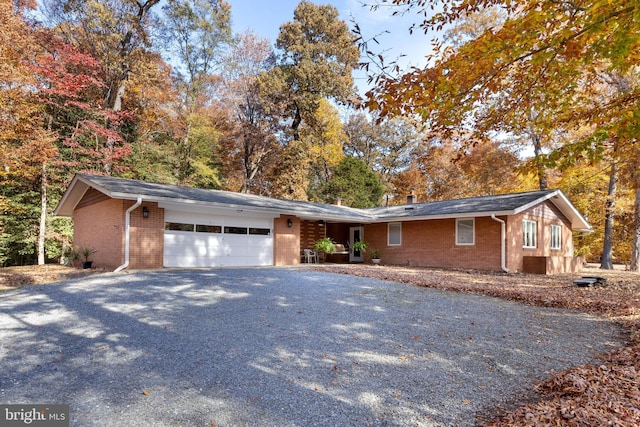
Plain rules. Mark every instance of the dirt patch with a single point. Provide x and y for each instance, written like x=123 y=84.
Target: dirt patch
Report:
x=16 y=277
x=606 y=393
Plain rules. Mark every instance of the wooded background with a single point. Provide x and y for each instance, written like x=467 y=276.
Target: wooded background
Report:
x=517 y=95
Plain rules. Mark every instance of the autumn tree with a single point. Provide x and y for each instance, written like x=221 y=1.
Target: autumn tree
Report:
x=68 y=89
x=249 y=142
x=440 y=172
x=23 y=140
x=197 y=31
x=116 y=33
x=386 y=146
x=324 y=137
x=63 y=96
x=530 y=70
x=155 y=127
x=316 y=57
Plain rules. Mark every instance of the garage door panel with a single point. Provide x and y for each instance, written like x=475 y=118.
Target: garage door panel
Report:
x=260 y=242
x=212 y=249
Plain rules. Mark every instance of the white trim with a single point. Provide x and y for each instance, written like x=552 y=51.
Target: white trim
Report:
x=127 y=234
x=352 y=256
x=535 y=234
x=503 y=243
x=441 y=216
x=567 y=208
x=559 y=232
x=473 y=232
x=389 y=224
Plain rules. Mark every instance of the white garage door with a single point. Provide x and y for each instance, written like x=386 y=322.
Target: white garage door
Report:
x=197 y=240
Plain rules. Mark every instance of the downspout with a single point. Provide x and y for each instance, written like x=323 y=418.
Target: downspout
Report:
x=503 y=258
x=127 y=223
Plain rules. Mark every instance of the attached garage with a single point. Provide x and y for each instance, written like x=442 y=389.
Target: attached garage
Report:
x=205 y=240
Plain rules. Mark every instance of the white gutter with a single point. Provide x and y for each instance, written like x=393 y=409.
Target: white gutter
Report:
x=127 y=223
x=503 y=260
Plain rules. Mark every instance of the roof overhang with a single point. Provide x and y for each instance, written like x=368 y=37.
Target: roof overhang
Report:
x=402 y=218
x=578 y=222
x=70 y=199
x=80 y=185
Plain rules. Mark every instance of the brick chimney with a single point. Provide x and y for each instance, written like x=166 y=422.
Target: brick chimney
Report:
x=337 y=201
x=412 y=198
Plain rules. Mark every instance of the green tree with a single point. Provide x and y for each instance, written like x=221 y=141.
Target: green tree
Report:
x=353 y=182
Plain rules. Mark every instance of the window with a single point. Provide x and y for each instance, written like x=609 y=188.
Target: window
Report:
x=529 y=234
x=260 y=231
x=556 y=237
x=178 y=226
x=235 y=230
x=465 y=231
x=200 y=228
x=394 y=234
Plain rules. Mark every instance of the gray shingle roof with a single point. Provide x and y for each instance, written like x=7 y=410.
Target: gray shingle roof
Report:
x=129 y=189
x=472 y=205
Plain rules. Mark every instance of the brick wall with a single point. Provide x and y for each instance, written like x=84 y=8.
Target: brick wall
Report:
x=433 y=244
x=98 y=223
x=544 y=215
x=146 y=247
x=286 y=242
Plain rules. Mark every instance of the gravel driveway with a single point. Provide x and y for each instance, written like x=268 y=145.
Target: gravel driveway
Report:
x=278 y=347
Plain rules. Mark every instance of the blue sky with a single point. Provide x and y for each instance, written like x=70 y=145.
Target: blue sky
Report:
x=265 y=18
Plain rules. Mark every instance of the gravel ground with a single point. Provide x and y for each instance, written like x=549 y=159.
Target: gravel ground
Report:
x=278 y=347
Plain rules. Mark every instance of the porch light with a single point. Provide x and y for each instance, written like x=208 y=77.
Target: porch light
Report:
x=145 y=212
x=289 y=223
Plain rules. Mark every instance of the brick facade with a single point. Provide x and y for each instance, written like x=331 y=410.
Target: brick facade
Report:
x=146 y=245
x=286 y=241
x=99 y=224
x=553 y=260
x=432 y=243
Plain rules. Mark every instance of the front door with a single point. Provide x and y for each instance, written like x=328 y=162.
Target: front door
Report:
x=355 y=235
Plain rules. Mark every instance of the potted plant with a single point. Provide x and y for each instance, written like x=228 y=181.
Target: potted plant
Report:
x=325 y=245
x=375 y=256
x=360 y=246
x=70 y=257
x=86 y=253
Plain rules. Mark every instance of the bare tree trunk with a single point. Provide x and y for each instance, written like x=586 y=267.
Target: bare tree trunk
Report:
x=635 y=250
x=537 y=151
x=43 y=216
x=606 y=263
